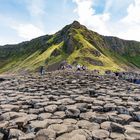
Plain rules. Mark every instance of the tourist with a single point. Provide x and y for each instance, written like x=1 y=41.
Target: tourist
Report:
x=78 y=67
x=42 y=70
x=63 y=65
x=137 y=81
x=84 y=67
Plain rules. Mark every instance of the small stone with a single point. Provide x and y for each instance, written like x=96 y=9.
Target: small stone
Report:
x=43 y=116
x=15 y=133
x=117 y=128
x=136 y=125
x=126 y=118
x=99 y=118
x=20 y=121
x=9 y=107
x=47 y=132
x=51 y=108
x=87 y=115
x=69 y=121
x=137 y=115
x=28 y=136
x=92 y=93
x=60 y=128
x=100 y=134
x=41 y=137
x=117 y=136
x=72 y=112
x=109 y=107
x=4 y=124
x=59 y=115
x=106 y=125
x=132 y=132
x=39 y=124
x=84 y=124
x=80 y=134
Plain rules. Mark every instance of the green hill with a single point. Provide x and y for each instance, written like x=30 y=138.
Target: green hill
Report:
x=75 y=44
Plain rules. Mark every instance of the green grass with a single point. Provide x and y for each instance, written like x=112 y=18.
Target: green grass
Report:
x=31 y=55
x=30 y=63
x=135 y=60
x=108 y=63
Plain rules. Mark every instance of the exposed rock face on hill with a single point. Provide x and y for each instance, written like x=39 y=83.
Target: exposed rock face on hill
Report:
x=69 y=106
x=75 y=44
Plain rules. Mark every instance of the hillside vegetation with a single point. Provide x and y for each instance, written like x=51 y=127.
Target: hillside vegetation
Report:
x=75 y=44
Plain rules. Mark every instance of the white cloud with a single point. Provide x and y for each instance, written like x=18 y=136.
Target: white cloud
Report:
x=133 y=11
x=37 y=11
x=36 y=7
x=88 y=17
x=131 y=22
x=28 y=31
x=127 y=27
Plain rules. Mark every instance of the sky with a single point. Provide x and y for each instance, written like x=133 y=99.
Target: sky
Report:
x=22 y=20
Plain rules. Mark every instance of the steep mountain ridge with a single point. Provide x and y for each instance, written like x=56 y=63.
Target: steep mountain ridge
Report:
x=75 y=44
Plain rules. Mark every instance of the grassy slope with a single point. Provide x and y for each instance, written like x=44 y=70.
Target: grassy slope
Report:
x=107 y=62
x=127 y=53
x=83 y=49
x=30 y=63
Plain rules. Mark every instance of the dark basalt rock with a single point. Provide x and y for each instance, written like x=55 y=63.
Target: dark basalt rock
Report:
x=86 y=106
x=92 y=93
x=2 y=79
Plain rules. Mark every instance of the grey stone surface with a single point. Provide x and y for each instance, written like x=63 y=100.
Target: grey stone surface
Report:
x=66 y=105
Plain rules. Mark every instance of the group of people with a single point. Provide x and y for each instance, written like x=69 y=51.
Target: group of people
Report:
x=65 y=66
x=80 y=67
x=128 y=76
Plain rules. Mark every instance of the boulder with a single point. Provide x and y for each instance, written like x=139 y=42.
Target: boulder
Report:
x=61 y=128
x=15 y=133
x=100 y=134
x=49 y=133
x=51 y=108
x=70 y=121
x=132 y=132
x=29 y=136
x=80 y=134
x=43 y=116
x=115 y=127
x=72 y=112
x=117 y=136
x=84 y=124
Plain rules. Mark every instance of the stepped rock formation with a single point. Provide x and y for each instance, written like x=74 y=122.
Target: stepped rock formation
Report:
x=70 y=105
x=75 y=44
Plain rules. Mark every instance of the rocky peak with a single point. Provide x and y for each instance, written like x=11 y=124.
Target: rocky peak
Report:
x=76 y=24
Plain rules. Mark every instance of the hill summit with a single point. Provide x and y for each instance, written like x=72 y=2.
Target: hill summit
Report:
x=77 y=45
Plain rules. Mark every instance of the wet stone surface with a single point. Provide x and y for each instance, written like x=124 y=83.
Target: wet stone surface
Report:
x=66 y=105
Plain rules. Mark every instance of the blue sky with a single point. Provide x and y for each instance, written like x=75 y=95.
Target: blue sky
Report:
x=22 y=20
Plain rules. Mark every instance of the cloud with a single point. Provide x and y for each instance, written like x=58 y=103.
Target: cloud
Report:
x=131 y=22
x=28 y=31
x=36 y=8
x=37 y=11
x=88 y=17
x=119 y=18
x=133 y=11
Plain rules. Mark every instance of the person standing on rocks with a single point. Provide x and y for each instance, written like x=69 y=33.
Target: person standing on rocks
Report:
x=42 y=70
x=84 y=67
x=78 y=67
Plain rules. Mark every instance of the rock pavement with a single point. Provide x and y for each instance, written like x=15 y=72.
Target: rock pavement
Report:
x=66 y=105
